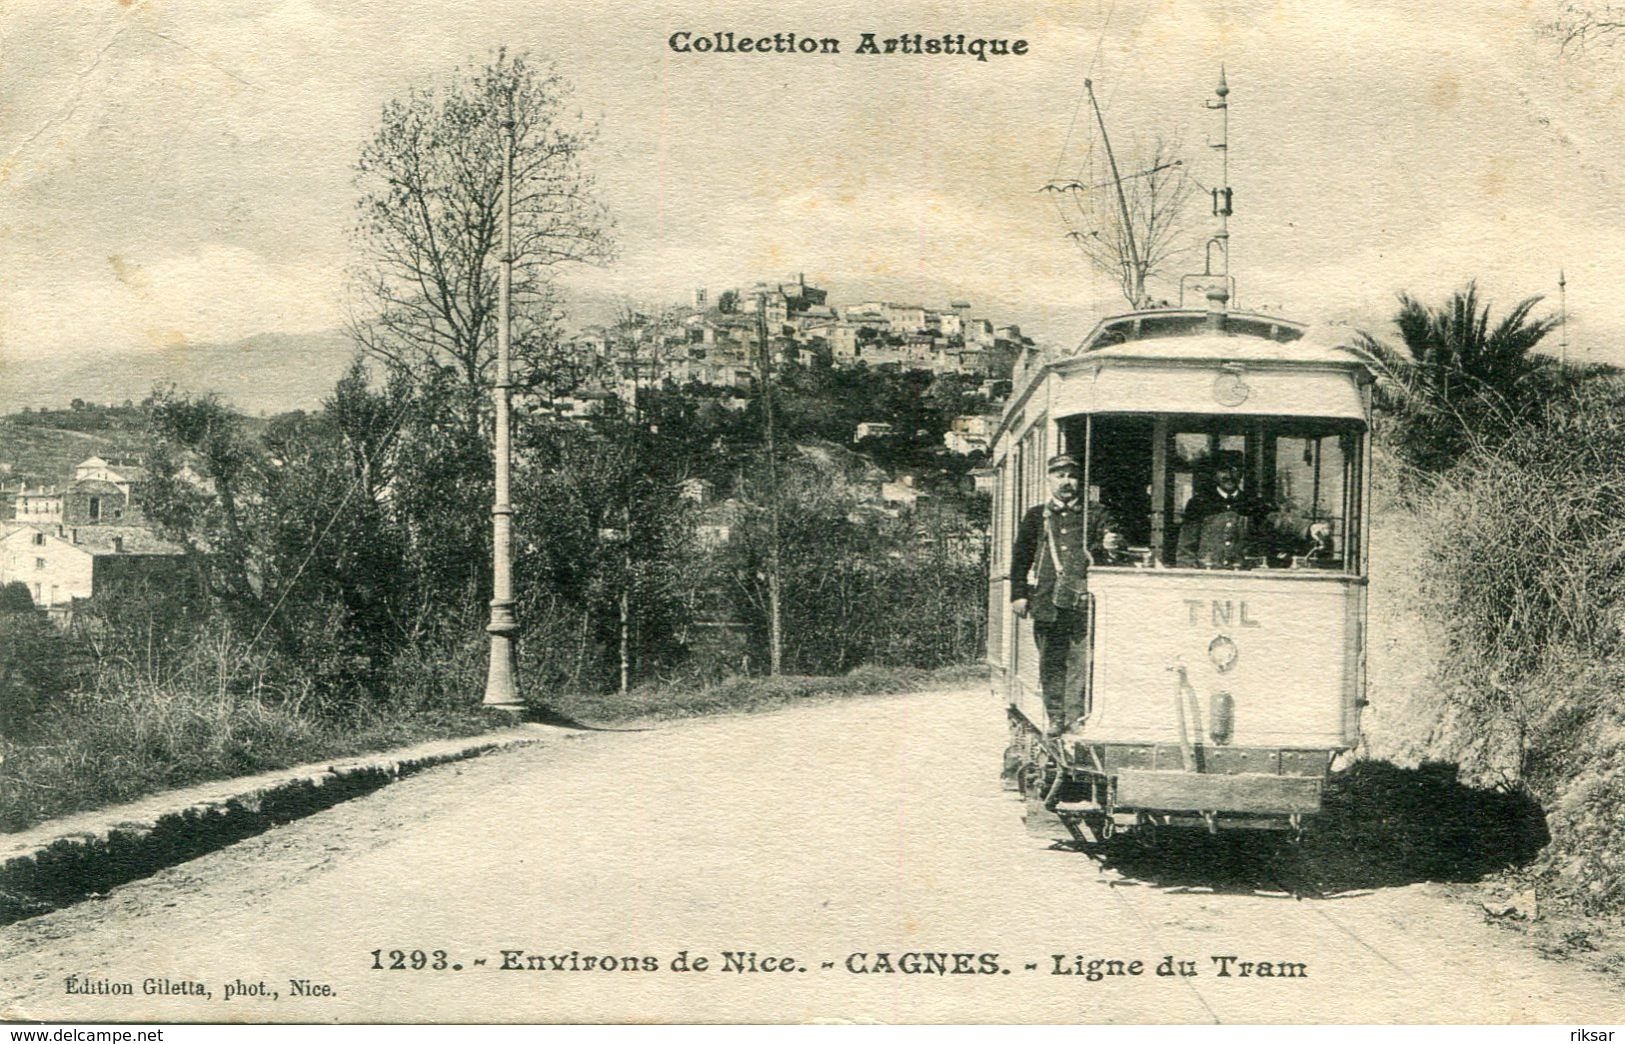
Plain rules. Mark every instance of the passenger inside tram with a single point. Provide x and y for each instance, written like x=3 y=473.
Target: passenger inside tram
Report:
x=1225 y=493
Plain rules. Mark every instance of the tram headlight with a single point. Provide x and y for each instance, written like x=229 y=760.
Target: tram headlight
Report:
x=1223 y=652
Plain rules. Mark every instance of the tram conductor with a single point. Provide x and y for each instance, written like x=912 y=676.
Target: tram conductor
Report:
x=1058 y=540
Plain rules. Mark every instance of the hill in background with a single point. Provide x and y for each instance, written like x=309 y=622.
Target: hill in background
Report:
x=263 y=374
x=42 y=448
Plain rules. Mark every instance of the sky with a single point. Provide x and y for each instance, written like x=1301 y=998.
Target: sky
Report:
x=178 y=174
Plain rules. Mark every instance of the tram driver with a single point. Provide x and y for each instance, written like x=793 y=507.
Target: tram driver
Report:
x=1059 y=539
x=1221 y=523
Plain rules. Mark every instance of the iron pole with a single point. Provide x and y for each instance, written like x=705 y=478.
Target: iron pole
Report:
x=502 y=683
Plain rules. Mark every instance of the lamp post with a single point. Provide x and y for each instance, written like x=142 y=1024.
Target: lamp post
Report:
x=775 y=638
x=501 y=682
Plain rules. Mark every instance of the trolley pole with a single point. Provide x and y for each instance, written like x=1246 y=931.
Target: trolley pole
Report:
x=501 y=683
x=1136 y=269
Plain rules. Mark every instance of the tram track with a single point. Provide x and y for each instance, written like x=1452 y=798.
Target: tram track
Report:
x=1118 y=893
x=1284 y=884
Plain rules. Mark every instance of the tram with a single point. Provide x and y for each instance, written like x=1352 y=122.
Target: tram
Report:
x=1214 y=695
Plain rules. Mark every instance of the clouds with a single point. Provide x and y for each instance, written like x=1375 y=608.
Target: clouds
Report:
x=1376 y=147
x=149 y=302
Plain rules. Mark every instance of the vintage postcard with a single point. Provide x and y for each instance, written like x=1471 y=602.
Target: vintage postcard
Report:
x=554 y=512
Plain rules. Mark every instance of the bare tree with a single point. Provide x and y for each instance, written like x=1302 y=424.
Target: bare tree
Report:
x=428 y=222
x=1154 y=192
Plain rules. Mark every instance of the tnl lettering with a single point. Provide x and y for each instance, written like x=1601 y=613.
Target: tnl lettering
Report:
x=1224 y=613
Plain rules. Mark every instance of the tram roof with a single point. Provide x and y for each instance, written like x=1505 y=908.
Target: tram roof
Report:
x=1159 y=323
x=1219 y=348
x=1288 y=373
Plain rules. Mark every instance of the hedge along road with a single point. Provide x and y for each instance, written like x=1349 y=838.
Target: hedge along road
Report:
x=833 y=848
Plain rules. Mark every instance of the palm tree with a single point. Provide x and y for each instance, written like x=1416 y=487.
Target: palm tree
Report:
x=1457 y=378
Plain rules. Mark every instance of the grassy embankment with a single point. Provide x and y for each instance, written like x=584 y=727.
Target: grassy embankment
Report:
x=99 y=750
x=1498 y=645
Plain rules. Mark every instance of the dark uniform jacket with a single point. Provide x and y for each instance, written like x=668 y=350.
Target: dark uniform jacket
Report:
x=1218 y=532
x=1075 y=543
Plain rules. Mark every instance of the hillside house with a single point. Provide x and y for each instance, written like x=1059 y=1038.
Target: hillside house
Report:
x=716 y=523
x=698 y=490
x=777 y=305
x=59 y=564
x=88 y=502
x=904 y=318
x=970 y=361
x=582 y=405
x=872 y=430
x=125 y=474
x=903 y=492
x=801 y=296
x=879 y=353
x=871 y=314
x=963 y=443
x=978 y=333
x=41 y=506
x=843 y=343
x=979 y=424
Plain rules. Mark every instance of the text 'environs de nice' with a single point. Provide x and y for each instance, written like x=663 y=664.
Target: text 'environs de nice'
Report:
x=978 y=47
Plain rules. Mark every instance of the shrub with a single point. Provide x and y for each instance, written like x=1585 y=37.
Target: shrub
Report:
x=38 y=665
x=1525 y=572
x=1526 y=564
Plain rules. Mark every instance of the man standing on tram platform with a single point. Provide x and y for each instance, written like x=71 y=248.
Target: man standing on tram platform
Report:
x=1058 y=539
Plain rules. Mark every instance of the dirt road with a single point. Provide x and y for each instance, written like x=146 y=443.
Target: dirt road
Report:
x=829 y=835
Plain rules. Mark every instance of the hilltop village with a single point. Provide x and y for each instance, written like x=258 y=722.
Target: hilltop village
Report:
x=718 y=343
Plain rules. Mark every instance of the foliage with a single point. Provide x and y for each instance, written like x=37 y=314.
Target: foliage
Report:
x=1580 y=25
x=38 y=665
x=605 y=531
x=1523 y=574
x=122 y=735
x=439 y=495
x=429 y=223
x=291 y=539
x=1527 y=556
x=859 y=586
x=1456 y=381
x=14 y=597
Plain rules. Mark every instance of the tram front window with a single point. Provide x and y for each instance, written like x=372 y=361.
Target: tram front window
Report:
x=1230 y=493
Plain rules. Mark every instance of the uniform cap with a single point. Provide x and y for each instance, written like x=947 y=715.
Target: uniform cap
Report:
x=1065 y=462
